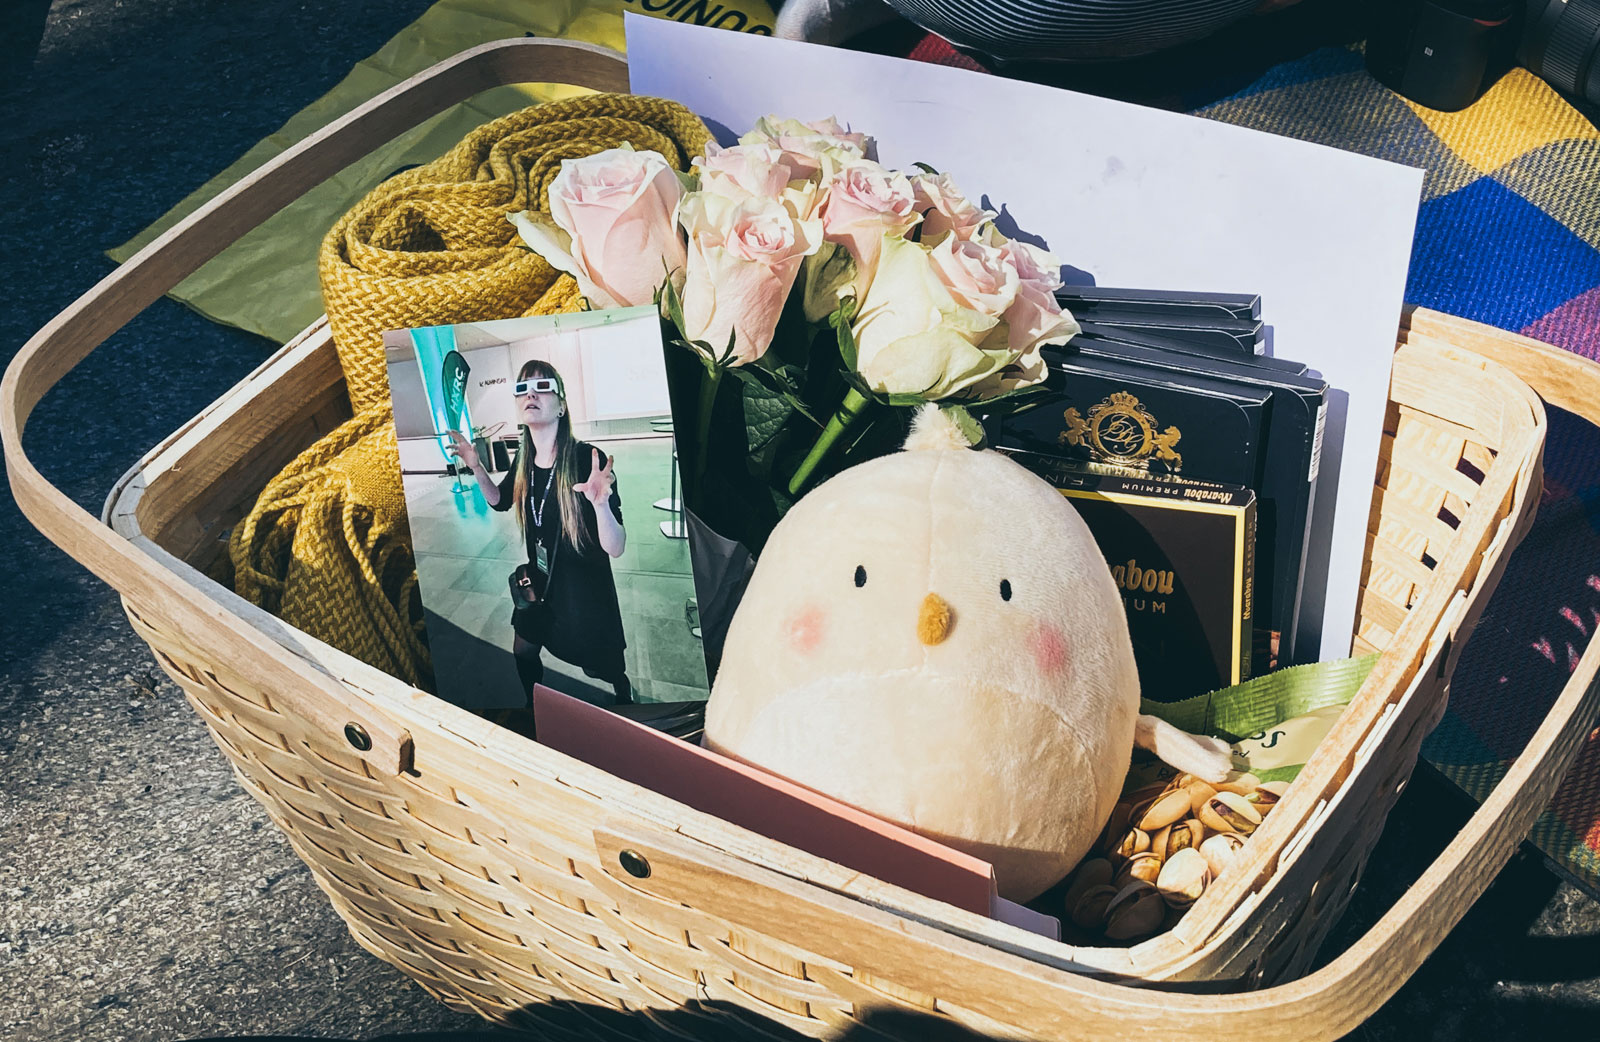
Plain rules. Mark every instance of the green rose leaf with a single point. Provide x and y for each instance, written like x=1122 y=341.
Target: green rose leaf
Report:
x=766 y=410
x=674 y=305
x=782 y=380
x=840 y=320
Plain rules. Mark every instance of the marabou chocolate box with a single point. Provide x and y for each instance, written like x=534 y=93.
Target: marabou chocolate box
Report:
x=1284 y=484
x=1138 y=419
x=1182 y=554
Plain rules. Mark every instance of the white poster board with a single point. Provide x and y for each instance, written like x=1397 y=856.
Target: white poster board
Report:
x=1129 y=196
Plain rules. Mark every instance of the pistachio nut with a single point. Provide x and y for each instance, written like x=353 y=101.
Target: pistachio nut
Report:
x=1093 y=872
x=1164 y=810
x=1230 y=812
x=1184 y=878
x=1137 y=841
x=1262 y=800
x=1221 y=850
x=1241 y=784
x=1182 y=836
x=1090 y=911
x=1136 y=911
x=1158 y=842
x=1277 y=788
x=1199 y=792
x=1146 y=867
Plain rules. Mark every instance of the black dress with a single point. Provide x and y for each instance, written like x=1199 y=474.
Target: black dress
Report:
x=584 y=623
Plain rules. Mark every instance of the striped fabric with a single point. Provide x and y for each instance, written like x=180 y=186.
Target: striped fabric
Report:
x=1029 y=30
x=1508 y=234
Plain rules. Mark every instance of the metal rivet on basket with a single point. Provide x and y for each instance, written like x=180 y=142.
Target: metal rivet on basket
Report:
x=357 y=736
x=634 y=863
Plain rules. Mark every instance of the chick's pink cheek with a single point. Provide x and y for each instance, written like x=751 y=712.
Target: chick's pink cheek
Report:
x=1048 y=646
x=804 y=630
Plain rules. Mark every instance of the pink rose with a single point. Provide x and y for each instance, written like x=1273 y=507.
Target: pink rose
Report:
x=743 y=170
x=755 y=170
x=960 y=319
x=980 y=278
x=805 y=145
x=1035 y=317
x=743 y=258
x=614 y=229
x=945 y=210
x=863 y=203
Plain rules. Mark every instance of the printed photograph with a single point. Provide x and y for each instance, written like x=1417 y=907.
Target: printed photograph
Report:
x=544 y=499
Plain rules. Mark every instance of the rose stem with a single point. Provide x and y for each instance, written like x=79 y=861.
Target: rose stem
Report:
x=843 y=418
x=708 y=402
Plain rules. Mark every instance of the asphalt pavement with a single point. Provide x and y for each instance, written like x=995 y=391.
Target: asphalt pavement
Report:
x=143 y=894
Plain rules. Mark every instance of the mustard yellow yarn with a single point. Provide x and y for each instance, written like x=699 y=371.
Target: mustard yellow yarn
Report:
x=326 y=546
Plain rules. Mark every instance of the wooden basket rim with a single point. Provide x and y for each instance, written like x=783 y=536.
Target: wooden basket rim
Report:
x=1326 y=1002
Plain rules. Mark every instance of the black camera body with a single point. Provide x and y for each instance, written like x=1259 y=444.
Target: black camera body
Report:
x=1439 y=53
x=1443 y=53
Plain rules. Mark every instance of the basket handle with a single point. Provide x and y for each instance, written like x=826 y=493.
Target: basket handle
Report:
x=304 y=687
x=1016 y=990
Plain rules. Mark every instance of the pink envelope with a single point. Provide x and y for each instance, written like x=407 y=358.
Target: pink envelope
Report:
x=775 y=807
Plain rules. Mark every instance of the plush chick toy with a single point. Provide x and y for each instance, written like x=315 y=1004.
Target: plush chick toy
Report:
x=934 y=637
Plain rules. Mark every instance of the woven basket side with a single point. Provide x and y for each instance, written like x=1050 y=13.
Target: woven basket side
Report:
x=476 y=872
x=1457 y=480
x=479 y=881
x=1447 y=422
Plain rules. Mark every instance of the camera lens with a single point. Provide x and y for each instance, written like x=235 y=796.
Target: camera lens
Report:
x=1560 y=42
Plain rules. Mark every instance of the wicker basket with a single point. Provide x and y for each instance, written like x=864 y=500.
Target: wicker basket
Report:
x=487 y=867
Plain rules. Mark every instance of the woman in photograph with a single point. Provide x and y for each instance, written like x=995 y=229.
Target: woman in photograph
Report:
x=570 y=513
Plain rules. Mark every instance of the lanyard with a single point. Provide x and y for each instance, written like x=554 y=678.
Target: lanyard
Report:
x=538 y=508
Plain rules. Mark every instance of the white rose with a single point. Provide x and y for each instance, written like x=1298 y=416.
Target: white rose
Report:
x=930 y=324
x=743 y=258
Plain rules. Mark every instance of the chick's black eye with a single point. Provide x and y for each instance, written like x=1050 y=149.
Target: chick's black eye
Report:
x=1005 y=589
x=861 y=575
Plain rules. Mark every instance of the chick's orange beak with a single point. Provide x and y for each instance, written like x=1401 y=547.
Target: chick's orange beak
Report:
x=933 y=620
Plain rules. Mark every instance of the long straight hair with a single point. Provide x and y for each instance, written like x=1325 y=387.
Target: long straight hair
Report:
x=566 y=465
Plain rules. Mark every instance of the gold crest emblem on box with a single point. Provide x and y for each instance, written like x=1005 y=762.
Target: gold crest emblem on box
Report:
x=1122 y=432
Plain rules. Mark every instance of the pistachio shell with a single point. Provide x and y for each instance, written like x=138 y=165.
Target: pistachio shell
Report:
x=1262 y=800
x=1163 y=811
x=1136 y=841
x=1277 y=788
x=1240 y=784
x=1221 y=850
x=1158 y=842
x=1090 y=911
x=1199 y=792
x=1230 y=812
x=1093 y=872
x=1136 y=911
x=1182 y=836
x=1184 y=878
x=1145 y=867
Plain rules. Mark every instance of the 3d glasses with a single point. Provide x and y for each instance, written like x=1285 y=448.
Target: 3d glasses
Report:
x=541 y=383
